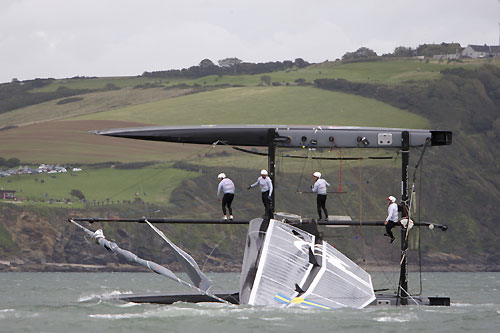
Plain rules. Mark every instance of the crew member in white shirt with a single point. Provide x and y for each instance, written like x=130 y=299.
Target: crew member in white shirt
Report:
x=266 y=188
x=392 y=219
x=319 y=187
x=226 y=186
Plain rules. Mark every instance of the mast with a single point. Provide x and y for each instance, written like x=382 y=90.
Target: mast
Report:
x=271 y=163
x=403 y=276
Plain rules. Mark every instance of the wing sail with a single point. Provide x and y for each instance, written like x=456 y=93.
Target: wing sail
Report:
x=293 y=270
x=190 y=266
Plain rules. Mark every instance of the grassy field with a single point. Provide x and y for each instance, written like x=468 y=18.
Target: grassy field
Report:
x=390 y=72
x=151 y=184
x=266 y=105
x=70 y=142
x=90 y=103
x=101 y=82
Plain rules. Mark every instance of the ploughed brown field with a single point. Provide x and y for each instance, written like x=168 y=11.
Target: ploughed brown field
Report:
x=71 y=142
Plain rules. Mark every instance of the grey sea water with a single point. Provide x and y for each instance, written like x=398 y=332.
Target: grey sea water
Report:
x=80 y=302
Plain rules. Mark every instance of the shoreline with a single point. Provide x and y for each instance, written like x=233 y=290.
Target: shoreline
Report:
x=6 y=266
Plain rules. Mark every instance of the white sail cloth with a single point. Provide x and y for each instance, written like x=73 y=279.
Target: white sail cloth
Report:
x=291 y=270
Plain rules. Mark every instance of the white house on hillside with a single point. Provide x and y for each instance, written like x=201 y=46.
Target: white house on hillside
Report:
x=481 y=51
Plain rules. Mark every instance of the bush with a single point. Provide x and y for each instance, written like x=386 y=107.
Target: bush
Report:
x=78 y=194
x=69 y=100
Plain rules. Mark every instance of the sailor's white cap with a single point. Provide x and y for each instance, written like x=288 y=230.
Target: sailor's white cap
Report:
x=391 y=199
x=317 y=174
x=221 y=175
x=263 y=172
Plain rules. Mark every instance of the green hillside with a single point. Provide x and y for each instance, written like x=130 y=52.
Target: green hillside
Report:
x=462 y=97
x=387 y=71
x=265 y=105
x=152 y=184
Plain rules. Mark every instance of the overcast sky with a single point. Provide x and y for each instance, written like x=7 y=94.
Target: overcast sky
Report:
x=65 y=38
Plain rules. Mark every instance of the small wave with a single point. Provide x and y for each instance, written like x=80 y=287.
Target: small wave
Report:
x=4 y=313
x=398 y=318
x=461 y=304
x=128 y=305
x=272 y=319
x=120 y=316
x=392 y=320
x=12 y=313
x=104 y=296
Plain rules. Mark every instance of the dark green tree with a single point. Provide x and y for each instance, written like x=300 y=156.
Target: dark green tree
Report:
x=12 y=162
x=205 y=63
x=229 y=62
x=362 y=52
x=403 y=51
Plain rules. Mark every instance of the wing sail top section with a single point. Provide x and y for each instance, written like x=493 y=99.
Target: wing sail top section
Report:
x=284 y=135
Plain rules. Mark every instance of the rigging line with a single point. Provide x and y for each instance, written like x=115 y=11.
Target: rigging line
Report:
x=137 y=183
x=419 y=263
x=212 y=251
x=361 y=211
x=302 y=173
x=407 y=293
x=369 y=180
x=362 y=233
x=412 y=194
x=393 y=271
x=206 y=260
x=420 y=219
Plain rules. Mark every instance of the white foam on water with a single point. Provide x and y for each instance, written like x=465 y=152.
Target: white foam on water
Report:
x=461 y=304
x=392 y=319
x=207 y=310
x=398 y=318
x=272 y=319
x=103 y=296
x=128 y=305
x=12 y=313
x=4 y=313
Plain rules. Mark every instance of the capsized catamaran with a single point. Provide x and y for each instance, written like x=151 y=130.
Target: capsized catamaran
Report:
x=286 y=263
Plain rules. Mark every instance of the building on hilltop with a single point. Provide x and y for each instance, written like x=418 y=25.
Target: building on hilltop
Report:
x=481 y=51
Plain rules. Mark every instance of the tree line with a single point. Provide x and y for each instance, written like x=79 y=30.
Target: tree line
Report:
x=228 y=66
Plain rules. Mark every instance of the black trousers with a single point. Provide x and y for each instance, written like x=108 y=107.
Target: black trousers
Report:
x=227 y=199
x=321 y=204
x=267 y=203
x=389 y=226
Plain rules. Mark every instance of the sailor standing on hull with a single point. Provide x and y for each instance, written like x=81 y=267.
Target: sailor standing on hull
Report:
x=266 y=187
x=226 y=186
x=319 y=187
x=392 y=217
